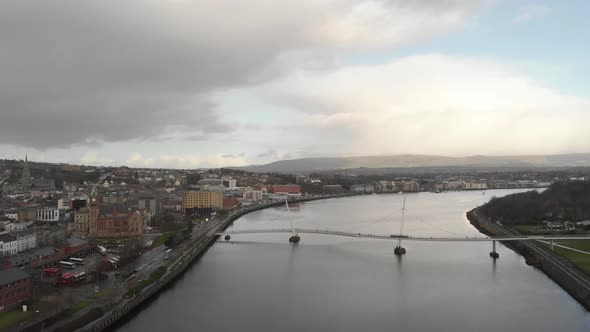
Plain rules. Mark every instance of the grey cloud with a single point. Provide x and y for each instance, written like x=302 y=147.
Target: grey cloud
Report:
x=87 y=72
x=198 y=137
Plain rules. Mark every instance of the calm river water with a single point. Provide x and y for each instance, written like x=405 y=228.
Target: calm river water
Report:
x=326 y=283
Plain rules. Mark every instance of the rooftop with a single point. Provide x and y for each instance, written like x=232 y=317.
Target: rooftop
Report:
x=12 y=275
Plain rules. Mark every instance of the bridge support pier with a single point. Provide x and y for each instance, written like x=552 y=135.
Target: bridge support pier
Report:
x=494 y=254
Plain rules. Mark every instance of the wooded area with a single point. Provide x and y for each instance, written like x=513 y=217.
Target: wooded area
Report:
x=567 y=200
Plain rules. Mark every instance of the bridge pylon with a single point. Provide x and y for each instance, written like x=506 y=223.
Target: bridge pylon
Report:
x=295 y=238
x=399 y=250
x=494 y=254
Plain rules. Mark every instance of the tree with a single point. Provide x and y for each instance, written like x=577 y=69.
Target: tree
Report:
x=189 y=223
x=192 y=178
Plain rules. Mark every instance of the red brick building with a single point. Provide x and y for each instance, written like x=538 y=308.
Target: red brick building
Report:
x=113 y=220
x=287 y=189
x=15 y=288
x=230 y=203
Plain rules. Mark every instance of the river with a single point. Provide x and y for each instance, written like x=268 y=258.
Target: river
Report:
x=260 y=282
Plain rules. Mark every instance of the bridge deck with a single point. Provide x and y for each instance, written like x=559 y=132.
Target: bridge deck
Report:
x=411 y=238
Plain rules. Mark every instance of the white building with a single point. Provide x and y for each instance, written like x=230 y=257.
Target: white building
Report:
x=475 y=185
x=17 y=226
x=11 y=215
x=252 y=195
x=25 y=240
x=362 y=188
x=48 y=215
x=8 y=245
x=62 y=204
x=230 y=183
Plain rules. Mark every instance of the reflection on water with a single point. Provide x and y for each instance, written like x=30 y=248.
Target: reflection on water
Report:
x=259 y=282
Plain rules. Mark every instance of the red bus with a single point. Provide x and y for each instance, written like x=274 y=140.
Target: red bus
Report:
x=67 y=279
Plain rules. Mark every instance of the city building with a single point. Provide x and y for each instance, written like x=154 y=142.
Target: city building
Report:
x=407 y=186
x=291 y=190
x=81 y=222
x=50 y=235
x=230 y=203
x=201 y=202
x=252 y=196
x=362 y=188
x=48 y=214
x=15 y=288
x=117 y=224
x=148 y=203
x=210 y=182
x=25 y=240
x=17 y=226
x=8 y=244
x=385 y=186
x=110 y=220
x=333 y=189
x=77 y=204
x=230 y=183
x=475 y=185
x=27 y=214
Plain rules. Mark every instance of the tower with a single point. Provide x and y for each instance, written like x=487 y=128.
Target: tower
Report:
x=26 y=179
x=94 y=214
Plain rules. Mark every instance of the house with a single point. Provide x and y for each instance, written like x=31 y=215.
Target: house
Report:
x=8 y=244
x=15 y=288
x=554 y=225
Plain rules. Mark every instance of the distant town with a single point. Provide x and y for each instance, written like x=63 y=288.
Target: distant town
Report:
x=93 y=233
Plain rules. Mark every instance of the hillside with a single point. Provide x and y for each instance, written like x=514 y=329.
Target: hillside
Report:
x=412 y=160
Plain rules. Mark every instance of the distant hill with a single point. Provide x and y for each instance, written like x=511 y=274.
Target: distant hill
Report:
x=411 y=160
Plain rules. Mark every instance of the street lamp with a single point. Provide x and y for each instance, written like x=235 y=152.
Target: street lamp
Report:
x=42 y=322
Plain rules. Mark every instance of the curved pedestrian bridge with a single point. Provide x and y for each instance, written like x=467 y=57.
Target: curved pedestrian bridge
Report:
x=409 y=237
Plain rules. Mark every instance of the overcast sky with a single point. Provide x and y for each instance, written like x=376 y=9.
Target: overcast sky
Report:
x=209 y=83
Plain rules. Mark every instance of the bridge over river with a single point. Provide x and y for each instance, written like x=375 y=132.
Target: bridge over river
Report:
x=399 y=238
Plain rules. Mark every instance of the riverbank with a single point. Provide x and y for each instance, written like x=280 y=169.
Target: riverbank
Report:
x=565 y=274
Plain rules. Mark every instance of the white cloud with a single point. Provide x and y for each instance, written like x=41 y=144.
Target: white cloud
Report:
x=432 y=104
x=93 y=158
x=531 y=12
x=200 y=161
x=138 y=160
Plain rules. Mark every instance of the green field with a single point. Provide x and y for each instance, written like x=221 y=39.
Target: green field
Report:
x=16 y=316
x=526 y=229
x=582 y=261
x=80 y=305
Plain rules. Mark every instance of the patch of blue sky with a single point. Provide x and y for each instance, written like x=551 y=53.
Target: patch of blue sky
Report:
x=553 y=48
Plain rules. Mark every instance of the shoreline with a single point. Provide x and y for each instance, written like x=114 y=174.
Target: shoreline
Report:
x=572 y=280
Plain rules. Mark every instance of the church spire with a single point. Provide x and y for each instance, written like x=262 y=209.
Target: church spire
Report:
x=26 y=180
